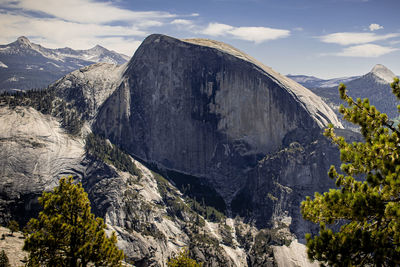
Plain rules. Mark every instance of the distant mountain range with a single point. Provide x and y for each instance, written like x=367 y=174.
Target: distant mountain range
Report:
x=25 y=65
x=375 y=85
x=314 y=82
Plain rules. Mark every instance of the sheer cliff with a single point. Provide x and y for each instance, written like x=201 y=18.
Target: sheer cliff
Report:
x=206 y=109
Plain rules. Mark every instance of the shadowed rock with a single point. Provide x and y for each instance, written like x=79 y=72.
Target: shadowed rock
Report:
x=204 y=108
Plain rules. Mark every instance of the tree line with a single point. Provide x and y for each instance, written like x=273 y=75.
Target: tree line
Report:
x=46 y=102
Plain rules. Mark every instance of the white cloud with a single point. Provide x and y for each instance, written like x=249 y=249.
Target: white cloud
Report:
x=349 y=38
x=258 y=34
x=182 y=22
x=374 y=27
x=149 y=23
x=81 y=24
x=254 y=34
x=217 y=29
x=366 y=50
x=85 y=11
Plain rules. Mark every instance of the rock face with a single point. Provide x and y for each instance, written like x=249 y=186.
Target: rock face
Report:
x=88 y=87
x=35 y=151
x=12 y=246
x=281 y=180
x=292 y=256
x=204 y=108
x=382 y=74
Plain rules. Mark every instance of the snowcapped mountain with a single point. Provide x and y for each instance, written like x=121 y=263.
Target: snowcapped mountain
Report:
x=25 y=65
x=314 y=82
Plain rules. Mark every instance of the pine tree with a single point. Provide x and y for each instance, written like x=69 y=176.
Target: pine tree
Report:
x=366 y=204
x=13 y=226
x=4 y=259
x=183 y=260
x=67 y=233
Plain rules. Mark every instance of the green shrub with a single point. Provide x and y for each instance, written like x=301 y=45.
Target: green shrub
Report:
x=183 y=260
x=4 y=259
x=13 y=226
x=100 y=148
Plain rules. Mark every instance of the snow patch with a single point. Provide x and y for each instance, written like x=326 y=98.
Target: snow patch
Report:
x=2 y=65
x=336 y=81
x=54 y=64
x=13 y=79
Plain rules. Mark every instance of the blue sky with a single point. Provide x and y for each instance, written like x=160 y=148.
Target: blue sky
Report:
x=324 y=38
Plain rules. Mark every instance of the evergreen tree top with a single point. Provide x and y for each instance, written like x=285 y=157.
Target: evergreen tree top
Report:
x=367 y=201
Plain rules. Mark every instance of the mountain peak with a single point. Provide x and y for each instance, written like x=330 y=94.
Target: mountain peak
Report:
x=383 y=73
x=98 y=48
x=24 y=41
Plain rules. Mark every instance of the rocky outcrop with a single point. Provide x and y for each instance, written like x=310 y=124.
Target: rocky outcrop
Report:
x=151 y=225
x=87 y=88
x=282 y=180
x=35 y=151
x=206 y=109
x=292 y=256
x=12 y=246
x=150 y=228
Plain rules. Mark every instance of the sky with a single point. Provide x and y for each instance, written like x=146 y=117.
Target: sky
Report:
x=322 y=38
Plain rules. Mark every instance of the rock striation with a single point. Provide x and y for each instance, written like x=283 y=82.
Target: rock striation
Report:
x=87 y=88
x=204 y=108
x=35 y=151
